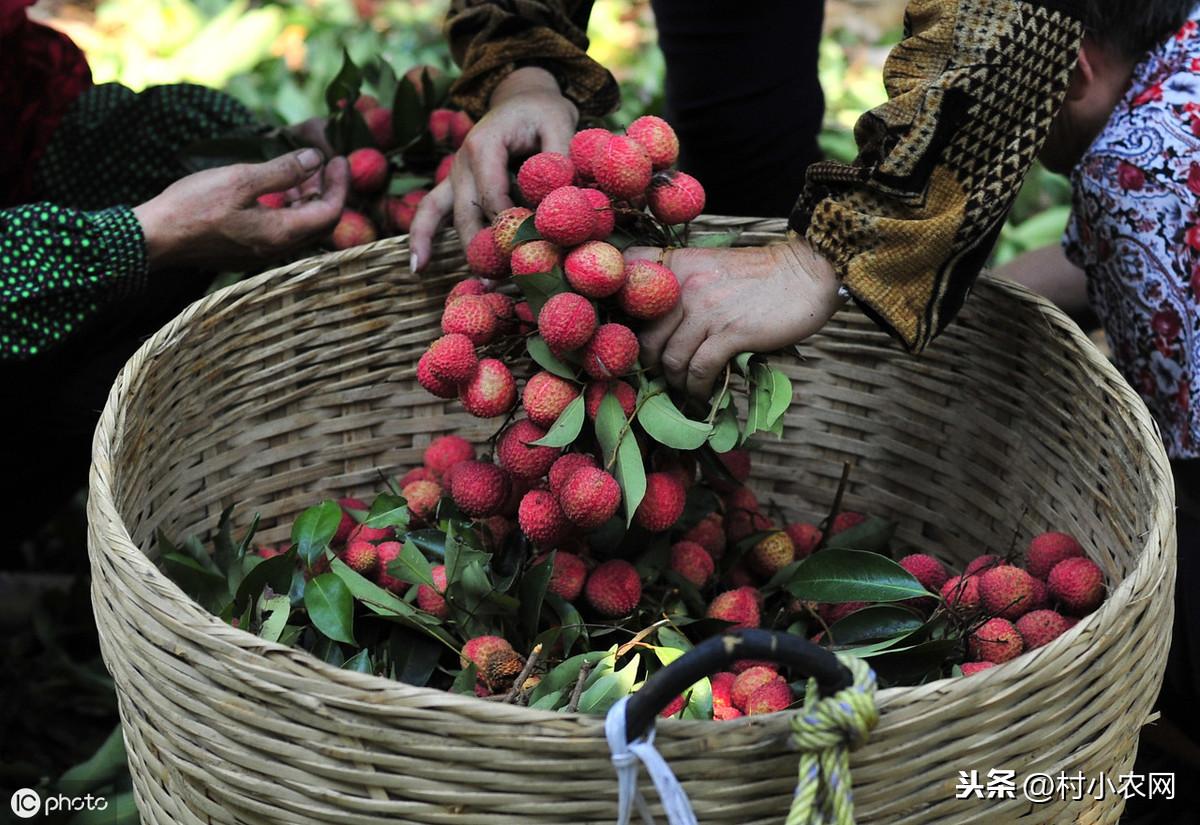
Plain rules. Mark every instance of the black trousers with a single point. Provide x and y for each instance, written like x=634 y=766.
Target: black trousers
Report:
x=742 y=93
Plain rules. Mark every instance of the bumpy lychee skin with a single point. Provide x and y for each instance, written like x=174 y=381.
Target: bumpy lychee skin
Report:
x=650 y=290
x=997 y=641
x=362 y=557
x=663 y=503
x=471 y=316
x=567 y=321
x=432 y=383
x=590 y=497
x=602 y=209
x=1078 y=585
x=353 y=229
x=737 y=464
x=595 y=269
x=479 y=489
x=415 y=474
x=516 y=452
x=452 y=358
x=722 y=689
x=422 y=498
x=844 y=521
x=368 y=170
x=971 y=668
x=502 y=306
x=739 y=606
x=750 y=680
x=564 y=467
x=546 y=396
x=1047 y=550
x=769 y=698
x=622 y=168
x=981 y=563
x=477 y=651
x=541 y=519
x=1040 y=627
x=379 y=124
x=611 y=352
x=568 y=576
x=692 y=562
x=675 y=197
x=962 y=593
x=389 y=551
x=772 y=554
x=743 y=498
x=347 y=524
x=430 y=599
x=465 y=287
x=1006 y=591
x=565 y=217
x=613 y=589
x=657 y=137
x=542 y=174
x=709 y=534
x=533 y=257
x=490 y=391
x=927 y=570
x=805 y=538
x=484 y=256
x=523 y=314
x=444 y=452
x=625 y=394
x=584 y=147
x=1041 y=595
x=673 y=707
x=401 y=211
x=505 y=226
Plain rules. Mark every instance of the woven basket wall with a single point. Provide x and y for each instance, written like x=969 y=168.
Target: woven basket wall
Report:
x=299 y=384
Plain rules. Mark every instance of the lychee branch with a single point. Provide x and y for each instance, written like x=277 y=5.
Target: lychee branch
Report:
x=530 y=664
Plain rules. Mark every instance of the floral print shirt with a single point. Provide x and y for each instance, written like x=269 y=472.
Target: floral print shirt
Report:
x=1135 y=230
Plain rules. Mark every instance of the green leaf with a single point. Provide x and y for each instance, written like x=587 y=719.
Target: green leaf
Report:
x=781 y=396
x=209 y=588
x=460 y=555
x=726 y=432
x=562 y=677
x=663 y=422
x=836 y=575
x=547 y=701
x=670 y=637
x=464 y=682
x=540 y=352
x=275 y=571
x=741 y=363
x=276 y=612
x=401 y=185
x=540 y=287
x=330 y=607
x=360 y=662
x=414 y=656
x=314 y=529
x=429 y=541
x=388 y=510
x=527 y=231
x=873 y=535
x=605 y=692
x=101 y=768
x=533 y=593
x=409 y=118
x=910 y=665
x=617 y=440
x=570 y=620
x=566 y=428
x=761 y=384
x=224 y=553
x=713 y=240
x=411 y=566
x=874 y=623
x=699 y=701
x=345 y=85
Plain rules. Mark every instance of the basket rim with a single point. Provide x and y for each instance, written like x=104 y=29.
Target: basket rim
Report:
x=187 y=612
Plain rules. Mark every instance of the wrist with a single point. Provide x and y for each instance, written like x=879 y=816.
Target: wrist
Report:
x=531 y=80
x=815 y=268
x=159 y=246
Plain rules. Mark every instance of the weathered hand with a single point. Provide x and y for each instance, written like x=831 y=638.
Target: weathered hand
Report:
x=753 y=299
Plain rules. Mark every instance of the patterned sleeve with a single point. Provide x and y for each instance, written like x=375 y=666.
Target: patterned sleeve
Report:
x=972 y=89
x=491 y=38
x=58 y=268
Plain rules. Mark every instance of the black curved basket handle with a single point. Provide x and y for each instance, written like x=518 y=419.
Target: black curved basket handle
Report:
x=716 y=654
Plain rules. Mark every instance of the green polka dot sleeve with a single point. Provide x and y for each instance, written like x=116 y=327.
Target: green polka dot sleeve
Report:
x=59 y=266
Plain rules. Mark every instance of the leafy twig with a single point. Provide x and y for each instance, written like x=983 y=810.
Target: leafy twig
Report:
x=835 y=509
x=530 y=663
x=584 y=672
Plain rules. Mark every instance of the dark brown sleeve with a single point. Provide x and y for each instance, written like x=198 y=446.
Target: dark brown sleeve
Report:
x=972 y=90
x=491 y=38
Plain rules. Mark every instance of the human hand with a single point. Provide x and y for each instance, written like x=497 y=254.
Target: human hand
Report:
x=752 y=299
x=212 y=218
x=528 y=114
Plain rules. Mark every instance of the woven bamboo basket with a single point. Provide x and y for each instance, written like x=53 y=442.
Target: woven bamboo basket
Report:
x=300 y=383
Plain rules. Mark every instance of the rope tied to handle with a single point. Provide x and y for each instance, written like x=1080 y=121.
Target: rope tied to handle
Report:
x=825 y=731
x=625 y=758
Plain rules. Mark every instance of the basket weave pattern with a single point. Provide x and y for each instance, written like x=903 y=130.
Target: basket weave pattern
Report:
x=299 y=384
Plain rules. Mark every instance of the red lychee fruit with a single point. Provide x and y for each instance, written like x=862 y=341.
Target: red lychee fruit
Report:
x=567 y=321
x=541 y=519
x=444 y=167
x=692 y=562
x=590 y=497
x=739 y=606
x=971 y=668
x=523 y=313
x=362 y=557
x=565 y=466
x=471 y=316
x=982 y=563
x=533 y=257
x=737 y=464
x=362 y=532
x=542 y=174
x=353 y=229
x=348 y=523
x=484 y=256
x=479 y=489
x=584 y=147
x=431 y=383
x=569 y=573
x=622 y=168
x=465 y=287
x=927 y=570
x=546 y=396
x=1047 y=550
x=422 y=498
x=1006 y=591
x=675 y=197
x=430 y=599
x=663 y=503
x=805 y=538
x=368 y=170
x=273 y=200
x=722 y=689
x=491 y=391
x=516 y=452
x=743 y=498
x=444 y=452
x=625 y=394
x=452 y=358
x=400 y=211
x=750 y=680
x=1040 y=627
x=439 y=125
x=844 y=521
x=416 y=76
x=996 y=640
x=962 y=593
x=595 y=269
x=502 y=306
x=657 y=137
x=1078 y=585
x=834 y=613
x=415 y=474
x=389 y=551
x=613 y=589
x=709 y=534
x=650 y=290
x=741 y=524
x=364 y=103
x=565 y=217
x=611 y=352
x=505 y=226
x=602 y=209
x=673 y=707
x=379 y=123
x=478 y=650
x=1041 y=595
x=772 y=697
x=772 y=554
